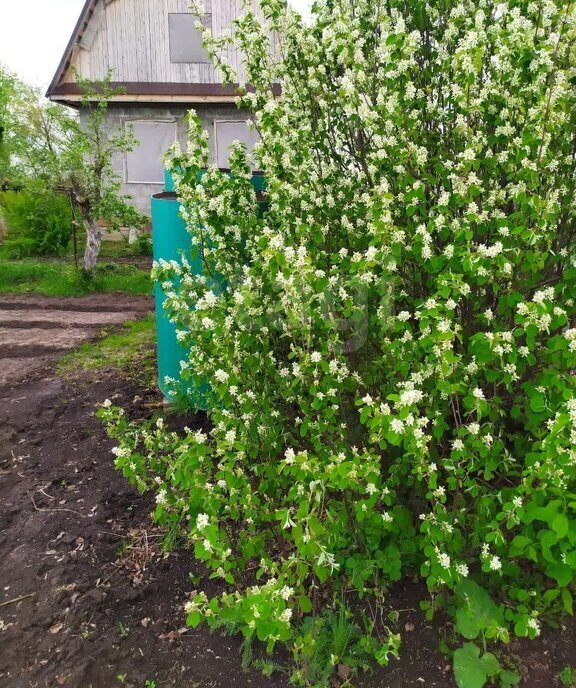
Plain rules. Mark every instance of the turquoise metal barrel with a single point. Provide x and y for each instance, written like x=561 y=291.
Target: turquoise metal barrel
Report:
x=168 y=181
x=168 y=235
x=170 y=239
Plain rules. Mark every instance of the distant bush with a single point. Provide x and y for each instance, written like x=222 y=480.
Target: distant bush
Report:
x=39 y=224
x=143 y=246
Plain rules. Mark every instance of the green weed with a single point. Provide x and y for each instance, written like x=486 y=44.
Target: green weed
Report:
x=59 y=278
x=568 y=677
x=131 y=348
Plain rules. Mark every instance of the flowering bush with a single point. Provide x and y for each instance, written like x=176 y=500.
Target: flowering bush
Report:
x=390 y=347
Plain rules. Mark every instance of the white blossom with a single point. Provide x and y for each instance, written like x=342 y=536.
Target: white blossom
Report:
x=221 y=375
x=202 y=520
x=495 y=563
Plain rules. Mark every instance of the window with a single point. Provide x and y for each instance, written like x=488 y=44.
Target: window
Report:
x=227 y=131
x=145 y=164
x=186 y=40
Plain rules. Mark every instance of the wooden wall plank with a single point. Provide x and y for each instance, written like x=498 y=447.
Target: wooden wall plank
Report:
x=133 y=39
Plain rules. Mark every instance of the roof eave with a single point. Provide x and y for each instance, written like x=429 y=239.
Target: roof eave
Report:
x=76 y=100
x=66 y=60
x=149 y=92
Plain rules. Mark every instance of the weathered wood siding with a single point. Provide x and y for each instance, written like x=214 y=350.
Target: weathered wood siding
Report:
x=132 y=38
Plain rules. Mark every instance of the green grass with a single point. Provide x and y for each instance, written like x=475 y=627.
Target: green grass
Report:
x=119 y=249
x=131 y=349
x=568 y=677
x=9 y=250
x=59 y=278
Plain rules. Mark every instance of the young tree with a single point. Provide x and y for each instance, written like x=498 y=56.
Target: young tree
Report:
x=88 y=165
x=5 y=94
x=13 y=95
x=48 y=150
x=20 y=147
x=391 y=347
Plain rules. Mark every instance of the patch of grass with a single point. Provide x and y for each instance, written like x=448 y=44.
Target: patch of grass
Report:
x=568 y=677
x=131 y=350
x=59 y=278
x=115 y=249
x=121 y=249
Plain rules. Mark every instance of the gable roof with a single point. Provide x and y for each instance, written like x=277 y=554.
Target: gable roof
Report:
x=106 y=35
x=75 y=38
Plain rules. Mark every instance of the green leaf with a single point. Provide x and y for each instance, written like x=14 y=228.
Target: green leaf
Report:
x=560 y=525
x=476 y=611
x=519 y=544
x=509 y=678
x=561 y=573
x=538 y=403
x=492 y=375
x=490 y=663
x=567 y=601
x=305 y=604
x=471 y=670
x=515 y=411
x=193 y=619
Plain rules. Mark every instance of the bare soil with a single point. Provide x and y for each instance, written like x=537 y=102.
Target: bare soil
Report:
x=36 y=329
x=88 y=599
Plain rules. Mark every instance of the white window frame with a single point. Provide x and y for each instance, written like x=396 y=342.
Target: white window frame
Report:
x=206 y=20
x=224 y=121
x=134 y=120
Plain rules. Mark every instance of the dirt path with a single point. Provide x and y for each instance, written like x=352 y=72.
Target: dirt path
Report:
x=36 y=329
x=100 y=600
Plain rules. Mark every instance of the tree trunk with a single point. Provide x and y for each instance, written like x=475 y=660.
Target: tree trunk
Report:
x=93 y=241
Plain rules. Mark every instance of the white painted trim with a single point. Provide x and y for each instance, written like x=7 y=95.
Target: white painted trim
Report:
x=161 y=184
x=133 y=120
x=224 y=121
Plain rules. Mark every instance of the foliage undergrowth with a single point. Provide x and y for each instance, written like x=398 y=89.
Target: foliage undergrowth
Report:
x=39 y=223
x=59 y=278
x=391 y=346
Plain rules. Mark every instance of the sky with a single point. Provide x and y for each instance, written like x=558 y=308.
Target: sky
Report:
x=34 y=35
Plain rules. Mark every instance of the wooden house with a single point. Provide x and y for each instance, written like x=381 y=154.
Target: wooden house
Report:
x=156 y=56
